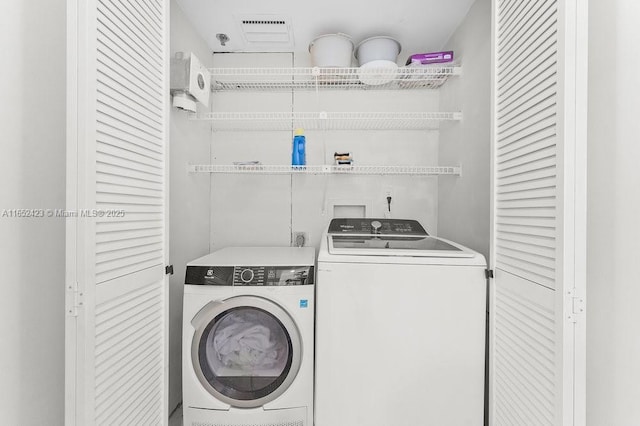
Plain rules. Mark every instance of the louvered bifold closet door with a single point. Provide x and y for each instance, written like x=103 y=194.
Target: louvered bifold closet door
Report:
x=533 y=247
x=118 y=111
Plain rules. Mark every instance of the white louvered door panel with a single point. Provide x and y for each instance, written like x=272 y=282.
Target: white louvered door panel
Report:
x=536 y=343
x=116 y=254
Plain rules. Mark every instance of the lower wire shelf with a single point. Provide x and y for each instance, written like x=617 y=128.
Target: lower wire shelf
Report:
x=324 y=169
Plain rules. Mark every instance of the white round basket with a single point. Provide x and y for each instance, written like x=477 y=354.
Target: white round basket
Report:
x=378 y=48
x=331 y=50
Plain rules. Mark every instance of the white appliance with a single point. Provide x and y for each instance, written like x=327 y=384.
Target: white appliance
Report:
x=190 y=82
x=400 y=327
x=248 y=337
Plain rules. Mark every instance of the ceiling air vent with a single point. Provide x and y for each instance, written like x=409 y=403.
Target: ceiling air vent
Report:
x=248 y=22
x=266 y=32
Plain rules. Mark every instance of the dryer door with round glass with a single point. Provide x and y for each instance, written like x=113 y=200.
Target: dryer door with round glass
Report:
x=246 y=350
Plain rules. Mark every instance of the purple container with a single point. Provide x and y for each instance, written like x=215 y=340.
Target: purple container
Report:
x=430 y=58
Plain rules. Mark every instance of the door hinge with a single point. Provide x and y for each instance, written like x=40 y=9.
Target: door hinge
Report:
x=576 y=305
x=75 y=299
x=488 y=273
x=168 y=270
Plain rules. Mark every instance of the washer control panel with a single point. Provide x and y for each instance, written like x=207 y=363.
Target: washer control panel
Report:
x=366 y=226
x=250 y=275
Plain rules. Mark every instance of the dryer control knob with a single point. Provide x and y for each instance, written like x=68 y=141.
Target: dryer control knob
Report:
x=246 y=275
x=376 y=225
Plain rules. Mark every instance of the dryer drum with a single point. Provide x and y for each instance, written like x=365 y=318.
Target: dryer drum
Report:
x=244 y=354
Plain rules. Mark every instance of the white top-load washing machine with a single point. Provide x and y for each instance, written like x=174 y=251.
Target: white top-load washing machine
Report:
x=248 y=336
x=400 y=327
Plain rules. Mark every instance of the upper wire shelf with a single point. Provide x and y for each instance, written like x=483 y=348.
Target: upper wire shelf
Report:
x=223 y=121
x=314 y=78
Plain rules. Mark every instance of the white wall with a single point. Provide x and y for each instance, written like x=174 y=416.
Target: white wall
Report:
x=613 y=281
x=264 y=210
x=250 y=210
x=32 y=176
x=463 y=203
x=189 y=197
x=413 y=197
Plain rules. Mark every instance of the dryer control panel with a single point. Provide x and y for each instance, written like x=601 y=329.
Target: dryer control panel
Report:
x=250 y=275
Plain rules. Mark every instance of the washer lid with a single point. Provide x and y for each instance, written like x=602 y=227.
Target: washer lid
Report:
x=388 y=237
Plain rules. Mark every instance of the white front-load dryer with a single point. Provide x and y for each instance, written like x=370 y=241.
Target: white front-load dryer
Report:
x=400 y=327
x=248 y=337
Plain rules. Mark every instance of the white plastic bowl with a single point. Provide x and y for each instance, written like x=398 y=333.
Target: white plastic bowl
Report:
x=378 y=48
x=331 y=50
x=378 y=72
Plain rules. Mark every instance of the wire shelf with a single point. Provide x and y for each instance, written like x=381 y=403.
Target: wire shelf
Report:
x=230 y=121
x=319 y=170
x=277 y=79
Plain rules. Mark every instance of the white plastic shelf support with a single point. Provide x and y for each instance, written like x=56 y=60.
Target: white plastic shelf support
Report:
x=270 y=79
x=231 y=121
x=324 y=169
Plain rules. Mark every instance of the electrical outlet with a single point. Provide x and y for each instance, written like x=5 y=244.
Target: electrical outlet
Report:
x=299 y=239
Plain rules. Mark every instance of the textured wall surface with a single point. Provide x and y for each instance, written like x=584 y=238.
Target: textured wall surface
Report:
x=32 y=176
x=613 y=285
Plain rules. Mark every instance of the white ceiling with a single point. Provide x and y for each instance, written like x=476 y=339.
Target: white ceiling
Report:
x=419 y=25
